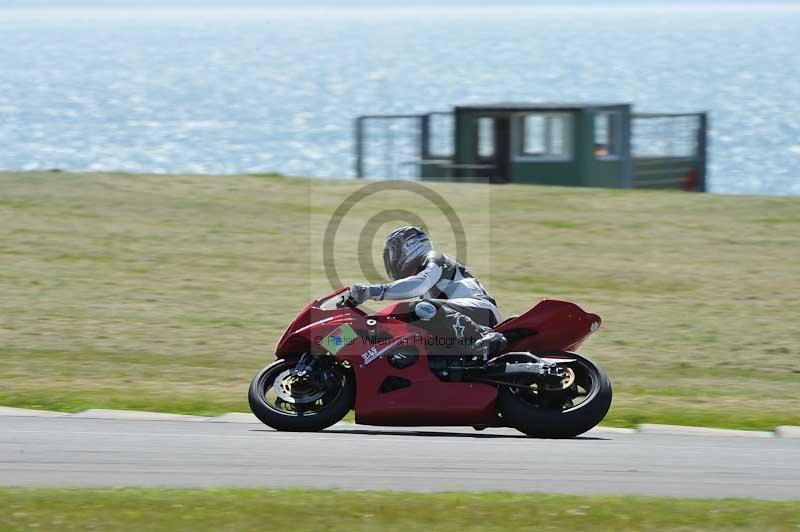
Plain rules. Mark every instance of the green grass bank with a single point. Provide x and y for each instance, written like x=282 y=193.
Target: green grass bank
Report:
x=170 y=509
x=168 y=292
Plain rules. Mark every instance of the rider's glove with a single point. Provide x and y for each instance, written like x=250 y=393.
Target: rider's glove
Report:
x=361 y=292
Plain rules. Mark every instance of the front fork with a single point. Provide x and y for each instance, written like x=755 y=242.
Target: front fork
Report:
x=304 y=367
x=314 y=369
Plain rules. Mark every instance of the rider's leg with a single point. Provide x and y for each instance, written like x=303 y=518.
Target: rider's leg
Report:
x=467 y=321
x=478 y=316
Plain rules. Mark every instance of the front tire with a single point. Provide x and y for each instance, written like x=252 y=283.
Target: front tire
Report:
x=546 y=414
x=333 y=403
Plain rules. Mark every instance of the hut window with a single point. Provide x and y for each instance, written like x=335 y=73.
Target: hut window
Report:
x=485 y=136
x=606 y=135
x=545 y=135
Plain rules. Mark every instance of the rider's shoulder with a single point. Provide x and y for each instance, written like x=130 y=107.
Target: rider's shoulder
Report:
x=434 y=257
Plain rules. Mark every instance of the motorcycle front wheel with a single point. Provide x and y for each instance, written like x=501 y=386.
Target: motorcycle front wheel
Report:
x=301 y=404
x=565 y=410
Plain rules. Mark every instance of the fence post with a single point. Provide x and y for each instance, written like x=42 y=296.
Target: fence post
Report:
x=359 y=127
x=626 y=147
x=425 y=136
x=702 y=148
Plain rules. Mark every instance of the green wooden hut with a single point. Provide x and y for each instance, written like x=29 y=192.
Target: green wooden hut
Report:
x=588 y=144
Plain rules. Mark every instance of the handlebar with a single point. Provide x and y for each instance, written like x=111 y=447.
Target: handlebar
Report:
x=347 y=302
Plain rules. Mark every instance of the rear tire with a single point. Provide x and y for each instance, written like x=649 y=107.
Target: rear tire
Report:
x=538 y=421
x=309 y=421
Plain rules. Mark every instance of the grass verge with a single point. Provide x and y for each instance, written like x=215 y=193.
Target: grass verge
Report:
x=240 y=509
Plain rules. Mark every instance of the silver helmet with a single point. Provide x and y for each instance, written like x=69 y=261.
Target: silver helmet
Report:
x=403 y=250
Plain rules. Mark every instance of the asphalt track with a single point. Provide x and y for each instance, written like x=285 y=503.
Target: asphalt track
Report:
x=86 y=451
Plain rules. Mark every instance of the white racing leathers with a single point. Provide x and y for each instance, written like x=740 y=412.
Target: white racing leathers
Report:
x=449 y=286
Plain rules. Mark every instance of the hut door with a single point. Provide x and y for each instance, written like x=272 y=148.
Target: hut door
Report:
x=493 y=148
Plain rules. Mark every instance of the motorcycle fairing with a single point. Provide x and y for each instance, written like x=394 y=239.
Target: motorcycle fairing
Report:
x=551 y=325
x=313 y=323
x=426 y=400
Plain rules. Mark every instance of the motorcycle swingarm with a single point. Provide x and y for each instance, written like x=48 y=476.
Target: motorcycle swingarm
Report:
x=545 y=371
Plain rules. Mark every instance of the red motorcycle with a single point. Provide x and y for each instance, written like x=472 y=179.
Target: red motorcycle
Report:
x=334 y=358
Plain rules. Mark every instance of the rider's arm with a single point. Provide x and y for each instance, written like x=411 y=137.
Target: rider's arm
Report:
x=409 y=287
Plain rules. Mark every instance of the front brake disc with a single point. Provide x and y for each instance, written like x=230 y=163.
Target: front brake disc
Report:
x=294 y=390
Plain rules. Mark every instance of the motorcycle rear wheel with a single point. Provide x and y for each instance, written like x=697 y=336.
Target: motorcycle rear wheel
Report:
x=313 y=410
x=540 y=413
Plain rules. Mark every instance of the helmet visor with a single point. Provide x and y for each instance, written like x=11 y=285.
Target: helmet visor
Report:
x=391 y=258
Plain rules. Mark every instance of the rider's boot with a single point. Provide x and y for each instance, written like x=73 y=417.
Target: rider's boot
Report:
x=493 y=342
x=488 y=342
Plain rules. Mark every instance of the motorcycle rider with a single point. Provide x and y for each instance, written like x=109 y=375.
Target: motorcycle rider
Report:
x=452 y=305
